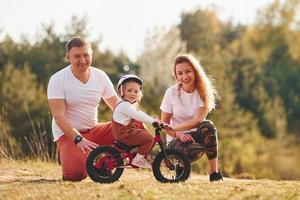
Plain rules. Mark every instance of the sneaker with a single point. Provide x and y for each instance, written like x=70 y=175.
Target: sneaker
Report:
x=216 y=176
x=141 y=162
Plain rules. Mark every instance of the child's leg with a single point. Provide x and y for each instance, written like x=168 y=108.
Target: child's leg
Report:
x=140 y=137
x=101 y=134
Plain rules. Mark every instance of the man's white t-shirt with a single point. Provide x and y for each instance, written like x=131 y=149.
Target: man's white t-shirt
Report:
x=82 y=100
x=125 y=112
x=182 y=108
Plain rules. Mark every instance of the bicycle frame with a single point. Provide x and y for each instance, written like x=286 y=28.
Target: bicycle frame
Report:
x=111 y=163
x=105 y=164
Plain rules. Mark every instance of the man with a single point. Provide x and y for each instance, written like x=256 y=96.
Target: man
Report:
x=74 y=94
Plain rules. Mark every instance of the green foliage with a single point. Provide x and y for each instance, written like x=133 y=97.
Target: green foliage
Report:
x=156 y=65
x=200 y=30
x=8 y=146
x=21 y=98
x=265 y=67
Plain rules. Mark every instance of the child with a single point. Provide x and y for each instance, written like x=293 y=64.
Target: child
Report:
x=127 y=122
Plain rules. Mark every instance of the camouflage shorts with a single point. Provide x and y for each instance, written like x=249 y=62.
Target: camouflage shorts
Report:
x=206 y=142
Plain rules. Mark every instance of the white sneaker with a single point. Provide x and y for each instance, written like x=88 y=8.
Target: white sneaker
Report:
x=141 y=162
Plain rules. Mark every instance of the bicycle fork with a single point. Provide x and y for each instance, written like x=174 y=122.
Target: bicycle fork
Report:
x=163 y=150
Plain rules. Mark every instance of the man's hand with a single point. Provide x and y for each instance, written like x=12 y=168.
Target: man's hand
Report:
x=86 y=145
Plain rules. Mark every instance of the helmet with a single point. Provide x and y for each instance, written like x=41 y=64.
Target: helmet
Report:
x=128 y=77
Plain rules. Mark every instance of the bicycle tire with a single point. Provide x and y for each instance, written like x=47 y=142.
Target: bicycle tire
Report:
x=176 y=157
x=104 y=174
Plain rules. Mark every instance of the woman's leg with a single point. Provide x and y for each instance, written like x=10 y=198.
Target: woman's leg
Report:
x=213 y=163
x=207 y=136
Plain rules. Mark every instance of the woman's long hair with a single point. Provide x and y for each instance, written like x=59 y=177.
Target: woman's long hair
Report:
x=203 y=83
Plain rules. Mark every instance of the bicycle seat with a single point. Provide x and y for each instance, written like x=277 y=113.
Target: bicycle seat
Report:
x=123 y=146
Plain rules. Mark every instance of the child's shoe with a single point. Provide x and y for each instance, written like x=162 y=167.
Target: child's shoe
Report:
x=141 y=162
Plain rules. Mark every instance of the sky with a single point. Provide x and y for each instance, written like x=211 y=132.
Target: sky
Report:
x=122 y=24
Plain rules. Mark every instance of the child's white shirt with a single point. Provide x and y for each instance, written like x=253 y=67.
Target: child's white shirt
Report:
x=125 y=112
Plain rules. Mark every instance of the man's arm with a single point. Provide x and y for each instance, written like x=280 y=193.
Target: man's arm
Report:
x=58 y=109
x=111 y=102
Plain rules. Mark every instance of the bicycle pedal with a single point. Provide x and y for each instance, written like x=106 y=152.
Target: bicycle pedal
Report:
x=125 y=166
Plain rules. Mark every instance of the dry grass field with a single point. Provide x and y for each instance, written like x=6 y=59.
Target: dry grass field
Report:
x=41 y=180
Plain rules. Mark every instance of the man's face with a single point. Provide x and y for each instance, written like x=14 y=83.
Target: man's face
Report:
x=80 y=58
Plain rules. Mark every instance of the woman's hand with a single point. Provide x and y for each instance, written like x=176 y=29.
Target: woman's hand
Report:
x=185 y=137
x=169 y=130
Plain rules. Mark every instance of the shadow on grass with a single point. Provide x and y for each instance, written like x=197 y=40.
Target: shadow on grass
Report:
x=32 y=181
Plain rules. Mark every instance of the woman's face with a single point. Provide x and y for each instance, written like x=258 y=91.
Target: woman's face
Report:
x=185 y=75
x=131 y=91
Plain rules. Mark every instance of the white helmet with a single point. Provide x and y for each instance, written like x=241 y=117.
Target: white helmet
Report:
x=126 y=78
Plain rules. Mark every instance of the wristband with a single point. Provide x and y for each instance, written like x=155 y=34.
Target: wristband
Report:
x=77 y=139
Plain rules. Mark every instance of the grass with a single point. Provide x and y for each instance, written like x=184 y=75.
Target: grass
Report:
x=42 y=180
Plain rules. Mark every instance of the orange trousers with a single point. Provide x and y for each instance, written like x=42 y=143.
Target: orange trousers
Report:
x=134 y=134
x=73 y=159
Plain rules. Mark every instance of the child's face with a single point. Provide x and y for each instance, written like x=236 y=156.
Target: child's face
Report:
x=131 y=91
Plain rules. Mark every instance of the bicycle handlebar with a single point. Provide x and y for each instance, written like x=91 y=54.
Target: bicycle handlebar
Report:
x=160 y=125
x=155 y=124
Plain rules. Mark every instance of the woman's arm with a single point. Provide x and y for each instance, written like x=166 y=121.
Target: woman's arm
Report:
x=199 y=117
x=166 y=118
x=193 y=122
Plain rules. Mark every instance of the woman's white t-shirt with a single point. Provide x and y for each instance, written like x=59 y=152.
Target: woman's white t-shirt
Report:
x=82 y=100
x=182 y=108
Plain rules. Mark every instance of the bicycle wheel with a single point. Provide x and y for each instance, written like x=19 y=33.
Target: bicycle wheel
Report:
x=166 y=171
x=102 y=164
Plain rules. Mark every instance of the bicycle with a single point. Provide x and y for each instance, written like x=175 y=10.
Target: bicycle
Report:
x=105 y=164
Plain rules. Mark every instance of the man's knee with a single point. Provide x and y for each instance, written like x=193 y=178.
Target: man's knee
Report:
x=74 y=175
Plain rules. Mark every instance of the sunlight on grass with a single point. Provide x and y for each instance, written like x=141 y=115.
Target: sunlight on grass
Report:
x=42 y=180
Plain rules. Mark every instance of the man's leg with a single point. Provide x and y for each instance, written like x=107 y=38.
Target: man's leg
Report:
x=72 y=160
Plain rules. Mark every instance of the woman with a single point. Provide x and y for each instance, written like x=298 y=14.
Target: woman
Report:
x=185 y=107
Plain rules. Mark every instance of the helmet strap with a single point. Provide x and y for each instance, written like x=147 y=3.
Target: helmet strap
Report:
x=121 y=90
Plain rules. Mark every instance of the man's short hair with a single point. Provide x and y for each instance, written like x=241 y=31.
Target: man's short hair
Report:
x=77 y=41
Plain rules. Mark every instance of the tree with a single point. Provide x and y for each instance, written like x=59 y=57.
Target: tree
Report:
x=156 y=64
x=200 y=30
x=24 y=101
x=266 y=66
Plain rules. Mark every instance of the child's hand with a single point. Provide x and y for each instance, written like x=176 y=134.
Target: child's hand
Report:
x=158 y=122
